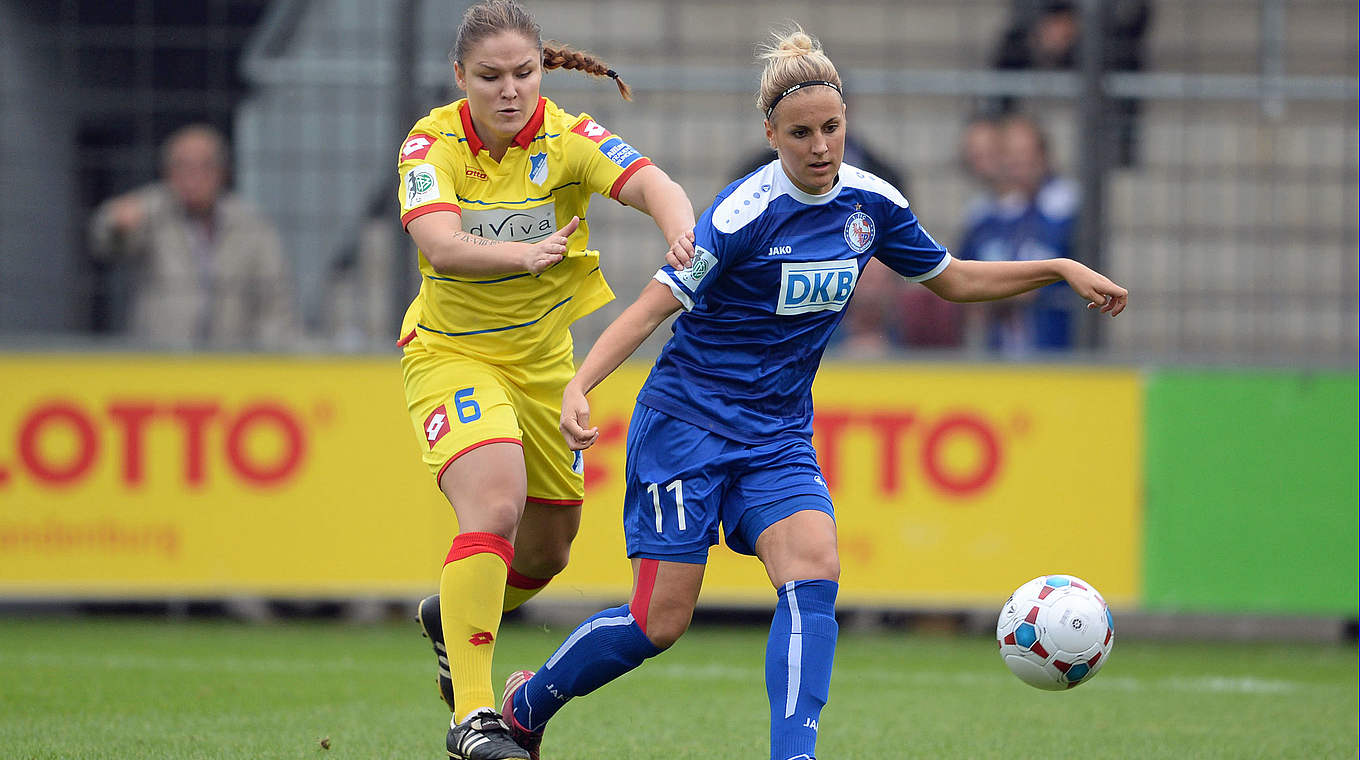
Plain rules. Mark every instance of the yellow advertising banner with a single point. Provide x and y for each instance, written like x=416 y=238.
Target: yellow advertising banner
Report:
x=148 y=476
x=135 y=476
x=952 y=484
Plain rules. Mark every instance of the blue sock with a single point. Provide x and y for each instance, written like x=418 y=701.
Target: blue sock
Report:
x=601 y=649
x=798 y=659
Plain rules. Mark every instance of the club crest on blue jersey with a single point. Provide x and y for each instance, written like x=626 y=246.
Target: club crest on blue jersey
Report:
x=538 y=168
x=859 y=232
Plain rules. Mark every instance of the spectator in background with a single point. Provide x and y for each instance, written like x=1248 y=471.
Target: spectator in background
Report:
x=925 y=321
x=980 y=152
x=209 y=269
x=1045 y=34
x=1034 y=217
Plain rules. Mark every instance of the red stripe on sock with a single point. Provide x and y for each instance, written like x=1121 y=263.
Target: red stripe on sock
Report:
x=468 y=544
x=642 y=595
x=525 y=582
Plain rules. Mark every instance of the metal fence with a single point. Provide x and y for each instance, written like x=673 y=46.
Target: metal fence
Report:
x=1234 y=223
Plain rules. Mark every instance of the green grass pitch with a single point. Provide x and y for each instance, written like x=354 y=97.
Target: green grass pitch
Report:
x=77 y=688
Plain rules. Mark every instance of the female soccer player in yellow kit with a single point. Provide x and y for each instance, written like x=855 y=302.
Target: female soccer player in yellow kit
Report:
x=494 y=191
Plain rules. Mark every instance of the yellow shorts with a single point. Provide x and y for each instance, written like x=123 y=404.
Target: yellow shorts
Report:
x=458 y=403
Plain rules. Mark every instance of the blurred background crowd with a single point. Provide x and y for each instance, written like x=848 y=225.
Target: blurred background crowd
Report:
x=220 y=175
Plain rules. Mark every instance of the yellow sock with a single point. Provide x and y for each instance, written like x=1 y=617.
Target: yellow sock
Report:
x=471 y=590
x=520 y=589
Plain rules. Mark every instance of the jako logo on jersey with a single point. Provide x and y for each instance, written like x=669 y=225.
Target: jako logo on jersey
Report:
x=588 y=128
x=538 y=168
x=859 y=232
x=421 y=186
x=416 y=146
x=481 y=637
x=521 y=225
x=816 y=286
x=436 y=425
x=779 y=250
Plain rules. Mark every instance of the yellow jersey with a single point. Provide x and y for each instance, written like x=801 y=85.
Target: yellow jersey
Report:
x=545 y=178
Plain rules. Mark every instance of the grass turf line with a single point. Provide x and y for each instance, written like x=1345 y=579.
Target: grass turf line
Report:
x=74 y=689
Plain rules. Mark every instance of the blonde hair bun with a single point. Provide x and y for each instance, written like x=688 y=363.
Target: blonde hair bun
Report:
x=793 y=57
x=792 y=43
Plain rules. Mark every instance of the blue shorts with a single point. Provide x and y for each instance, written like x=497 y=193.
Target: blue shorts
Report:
x=684 y=481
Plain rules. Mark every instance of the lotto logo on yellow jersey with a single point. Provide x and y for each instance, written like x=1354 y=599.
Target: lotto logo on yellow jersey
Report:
x=416 y=147
x=589 y=129
x=436 y=425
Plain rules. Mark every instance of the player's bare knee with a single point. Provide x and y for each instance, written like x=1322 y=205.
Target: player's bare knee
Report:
x=809 y=563
x=826 y=566
x=543 y=562
x=499 y=516
x=666 y=626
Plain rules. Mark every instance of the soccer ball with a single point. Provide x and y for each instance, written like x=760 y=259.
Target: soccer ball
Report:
x=1055 y=632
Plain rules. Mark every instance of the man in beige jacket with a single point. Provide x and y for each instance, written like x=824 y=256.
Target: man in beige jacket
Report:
x=210 y=269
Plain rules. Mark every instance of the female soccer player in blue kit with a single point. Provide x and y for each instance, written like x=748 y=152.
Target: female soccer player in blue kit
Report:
x=722 y=432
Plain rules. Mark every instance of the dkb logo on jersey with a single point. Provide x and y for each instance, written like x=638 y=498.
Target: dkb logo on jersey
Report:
x=859 y=232
x=816 y=286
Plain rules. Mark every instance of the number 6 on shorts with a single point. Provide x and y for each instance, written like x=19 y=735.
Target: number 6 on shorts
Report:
x=467 y=408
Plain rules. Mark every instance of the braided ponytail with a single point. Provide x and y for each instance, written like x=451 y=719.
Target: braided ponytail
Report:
x=491 y=17
x=559 y=56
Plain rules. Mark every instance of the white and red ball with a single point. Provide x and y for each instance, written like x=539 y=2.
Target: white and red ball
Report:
x=1055 y=632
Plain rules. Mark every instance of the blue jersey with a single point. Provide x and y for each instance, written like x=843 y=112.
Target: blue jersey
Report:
x=773 y=268
x=1014 y=228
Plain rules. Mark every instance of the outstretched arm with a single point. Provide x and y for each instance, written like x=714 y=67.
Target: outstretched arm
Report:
x=654 y=193
x=618 y=341
x=119 y=226
x=968 y=281
x=451 y=251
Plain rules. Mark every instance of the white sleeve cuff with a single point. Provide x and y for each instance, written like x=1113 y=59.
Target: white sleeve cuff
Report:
x=665 y=278
x=944 y=262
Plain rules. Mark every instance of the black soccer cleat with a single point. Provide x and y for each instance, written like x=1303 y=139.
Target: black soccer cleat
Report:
x=530 y=740
x=427 y=614
x=483 y=736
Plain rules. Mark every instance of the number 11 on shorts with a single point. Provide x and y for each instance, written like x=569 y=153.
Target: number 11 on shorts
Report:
x=675 y=487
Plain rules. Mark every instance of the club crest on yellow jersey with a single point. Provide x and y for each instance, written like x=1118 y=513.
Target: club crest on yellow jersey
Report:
x=538 y=168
